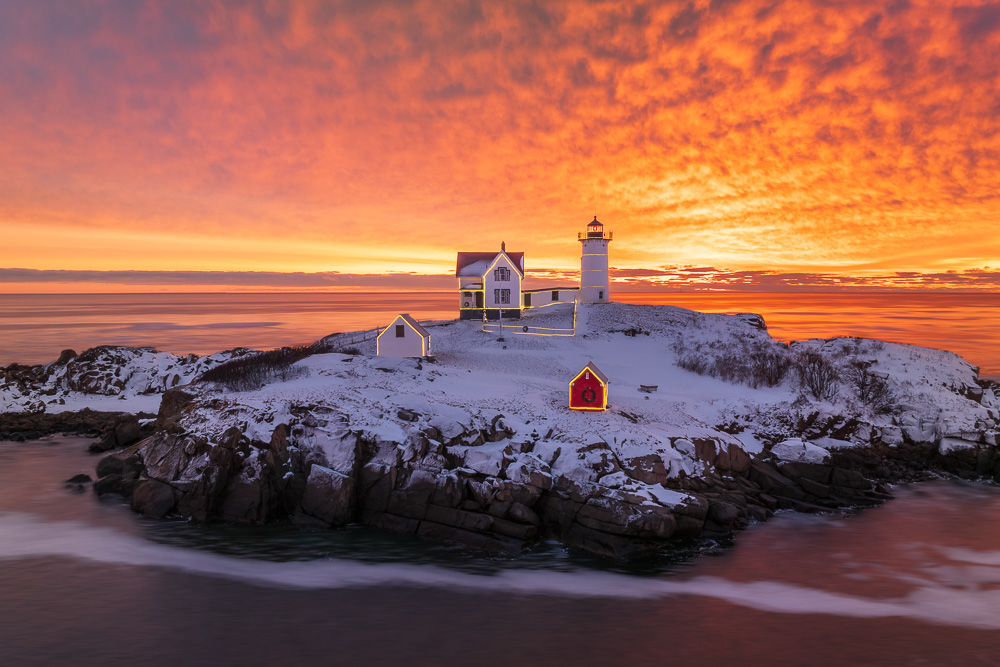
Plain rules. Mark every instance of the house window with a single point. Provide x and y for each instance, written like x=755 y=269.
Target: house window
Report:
x=496 y=296
x=400 y=331
x=501 y=274
x=600 y=295
x=555 y=295
x=505 y=296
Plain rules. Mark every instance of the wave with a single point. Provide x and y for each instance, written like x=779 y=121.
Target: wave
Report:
x=956 y=595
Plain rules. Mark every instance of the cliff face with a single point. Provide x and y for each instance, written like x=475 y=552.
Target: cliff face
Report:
x=479 y=447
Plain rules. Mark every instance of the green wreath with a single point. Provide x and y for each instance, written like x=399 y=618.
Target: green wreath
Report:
x=589 y=395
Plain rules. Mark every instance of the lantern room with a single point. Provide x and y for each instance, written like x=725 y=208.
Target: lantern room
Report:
x=589 y=389
x=595 y=230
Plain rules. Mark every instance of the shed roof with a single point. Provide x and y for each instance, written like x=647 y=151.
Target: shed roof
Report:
x=422 y=332
x=475 y=264
x=593 y=369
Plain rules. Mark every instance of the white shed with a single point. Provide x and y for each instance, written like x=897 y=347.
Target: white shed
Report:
x=404 y=337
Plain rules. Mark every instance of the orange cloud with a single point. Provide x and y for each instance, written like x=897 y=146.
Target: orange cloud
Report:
x=797 y=136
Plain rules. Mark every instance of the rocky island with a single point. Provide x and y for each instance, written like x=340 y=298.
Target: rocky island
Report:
x=477 y=446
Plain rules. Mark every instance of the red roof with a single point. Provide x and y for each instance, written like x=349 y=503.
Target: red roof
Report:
x=466 y=259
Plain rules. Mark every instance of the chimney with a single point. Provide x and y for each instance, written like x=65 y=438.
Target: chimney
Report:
x=503 y=247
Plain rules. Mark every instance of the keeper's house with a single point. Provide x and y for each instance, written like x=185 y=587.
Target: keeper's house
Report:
x=589 y=389
x=490 y=282
x=404 y=337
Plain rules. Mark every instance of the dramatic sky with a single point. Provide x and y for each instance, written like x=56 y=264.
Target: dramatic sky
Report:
x=724 y=141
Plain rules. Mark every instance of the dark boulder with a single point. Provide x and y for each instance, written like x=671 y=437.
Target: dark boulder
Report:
x=407 y=415
x=65 y=357
x=110 y=465
x=125 y=430
x=153 y=499
x=329 y=496
x=723 y=513
x=172 y=405
x=110 y=483
x=78 y=483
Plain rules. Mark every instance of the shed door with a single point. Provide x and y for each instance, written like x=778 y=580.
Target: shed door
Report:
x=479 y=299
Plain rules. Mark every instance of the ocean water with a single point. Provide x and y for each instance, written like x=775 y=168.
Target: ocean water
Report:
x=35 y=328
x=84 y=581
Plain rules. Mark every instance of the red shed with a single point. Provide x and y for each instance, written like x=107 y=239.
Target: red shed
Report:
x=589 y=389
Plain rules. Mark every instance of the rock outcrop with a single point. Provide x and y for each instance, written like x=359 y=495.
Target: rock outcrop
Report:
x=482 y=489
x=107 y=370
x=112 y=429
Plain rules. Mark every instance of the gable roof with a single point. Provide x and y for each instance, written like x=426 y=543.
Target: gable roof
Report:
x=422 y=332
x=593 y=369
x=476 y=264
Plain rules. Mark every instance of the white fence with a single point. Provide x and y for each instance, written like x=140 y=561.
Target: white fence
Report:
x=339 y=341
x=520 y=328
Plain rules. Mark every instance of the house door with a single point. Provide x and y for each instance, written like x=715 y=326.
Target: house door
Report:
x=479 y=299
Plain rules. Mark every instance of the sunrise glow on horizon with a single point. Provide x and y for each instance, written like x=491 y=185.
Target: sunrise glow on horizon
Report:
x=729 y=144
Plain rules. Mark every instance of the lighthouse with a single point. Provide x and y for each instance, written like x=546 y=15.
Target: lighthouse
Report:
x=594 y=282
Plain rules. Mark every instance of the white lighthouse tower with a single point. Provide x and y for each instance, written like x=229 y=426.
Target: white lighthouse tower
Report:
x=594 y=283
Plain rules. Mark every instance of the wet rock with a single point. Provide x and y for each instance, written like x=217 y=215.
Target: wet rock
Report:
x=411 y=498
x=811 y=471
x=769 y=479
x=483 y=543
x=153 y=499
x=22 y=426
x=78 y=483
x=329 y=496
x=127 y=430
x=111 y=483
x=458 y=518
x=723 y=513
x=124 y=430
x=814 y=488
x=615 y=547
x=110 y=465
x=523 y=514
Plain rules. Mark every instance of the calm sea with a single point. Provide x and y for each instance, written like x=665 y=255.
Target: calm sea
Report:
x=34 y=328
